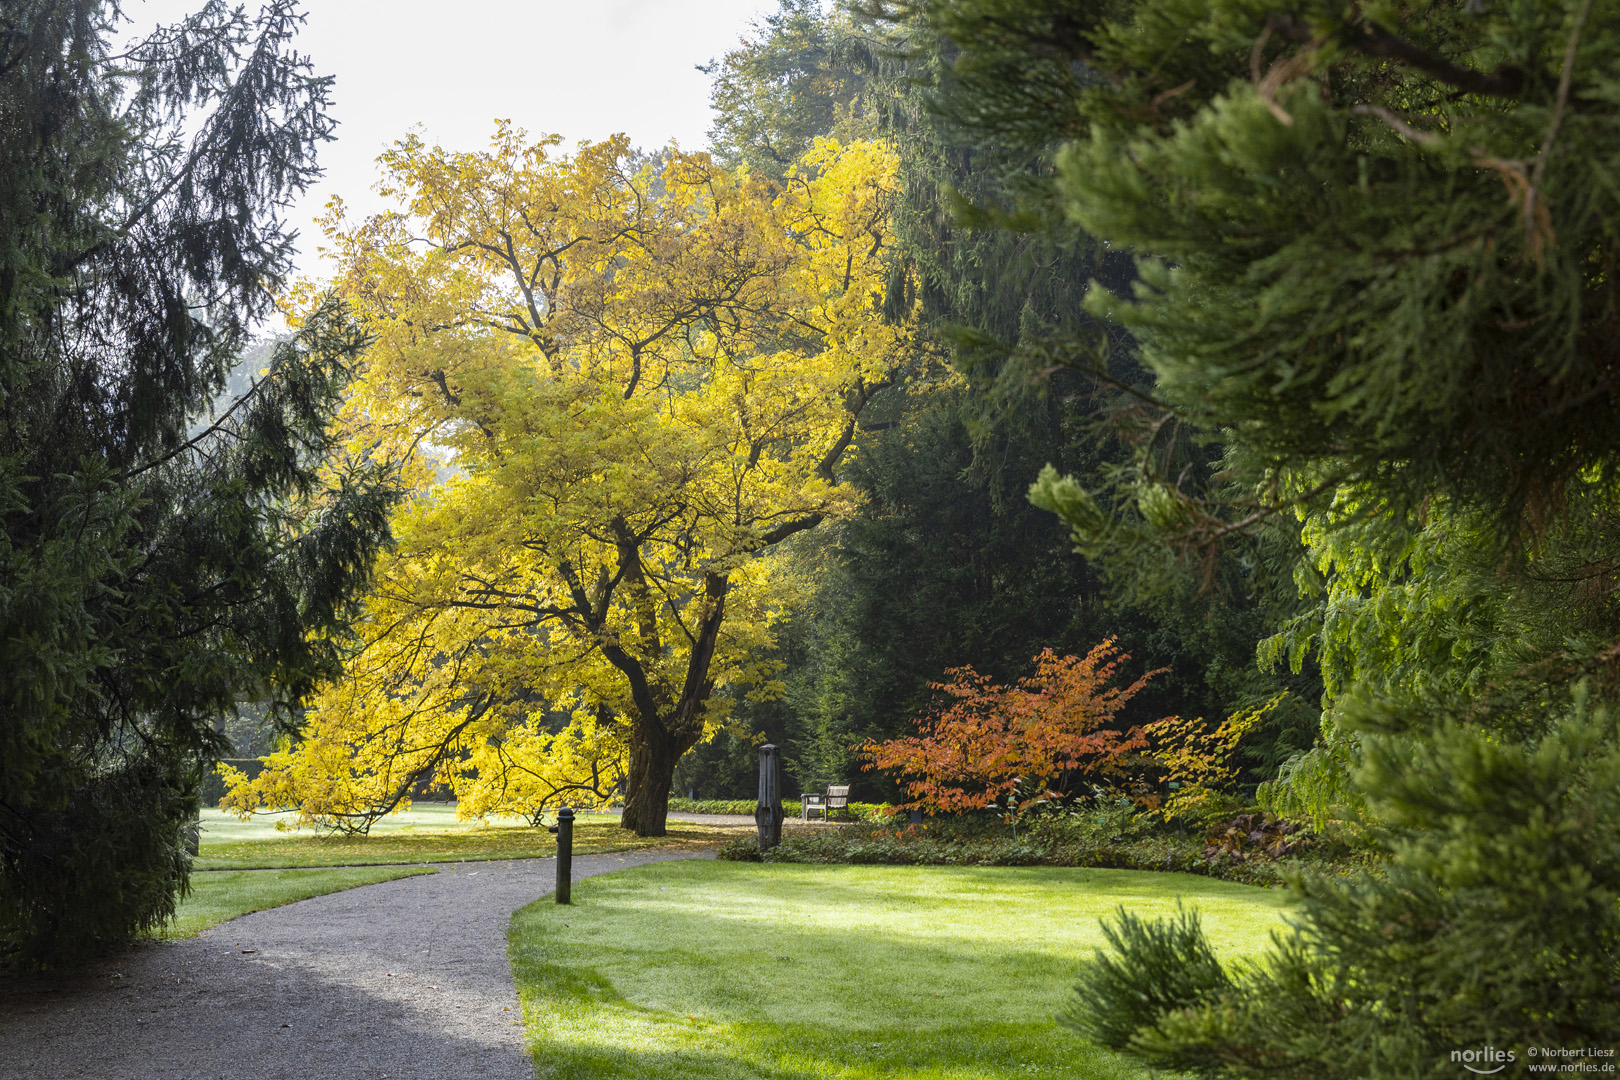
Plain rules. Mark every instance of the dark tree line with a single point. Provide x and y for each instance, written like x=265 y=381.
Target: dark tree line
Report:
x=948 y=563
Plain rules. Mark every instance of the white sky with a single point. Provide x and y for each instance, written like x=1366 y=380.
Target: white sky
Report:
x=584 y=69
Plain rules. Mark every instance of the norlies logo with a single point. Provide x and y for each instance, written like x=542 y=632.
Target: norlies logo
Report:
x=1484 y=1058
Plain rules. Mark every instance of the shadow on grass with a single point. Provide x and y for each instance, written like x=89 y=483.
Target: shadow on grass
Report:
x=764 y=1052
x=461 y=844
x=727 y=971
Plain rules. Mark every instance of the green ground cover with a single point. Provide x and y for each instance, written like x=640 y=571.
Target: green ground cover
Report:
x=220 y=895
x=732 y=971
x=425 y=833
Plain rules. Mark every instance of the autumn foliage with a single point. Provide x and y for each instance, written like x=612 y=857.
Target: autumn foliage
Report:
x=615 y=385
x=983 y=744
x=1202 y=762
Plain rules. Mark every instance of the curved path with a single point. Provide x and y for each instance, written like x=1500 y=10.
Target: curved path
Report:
x=403 y=979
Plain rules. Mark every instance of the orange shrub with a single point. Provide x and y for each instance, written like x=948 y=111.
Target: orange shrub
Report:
x=983 y=744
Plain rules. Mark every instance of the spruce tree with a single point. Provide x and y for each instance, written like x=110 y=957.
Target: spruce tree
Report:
x=801 y=75
x=163 y=557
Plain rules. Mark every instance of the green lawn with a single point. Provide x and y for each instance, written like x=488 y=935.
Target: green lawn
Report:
x=220 y=895
x=706 y=970
x=426 y=833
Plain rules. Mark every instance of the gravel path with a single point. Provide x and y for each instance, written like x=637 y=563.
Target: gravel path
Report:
x=712 y=819
x=404 y=979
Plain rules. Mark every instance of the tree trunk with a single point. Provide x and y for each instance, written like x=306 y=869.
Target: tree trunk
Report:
x=654 y=754
x=646 y=792
x=665 y=730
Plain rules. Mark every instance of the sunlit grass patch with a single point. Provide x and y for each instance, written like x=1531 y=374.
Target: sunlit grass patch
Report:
x=220 y=895
x=716 y=971
x=425 y=833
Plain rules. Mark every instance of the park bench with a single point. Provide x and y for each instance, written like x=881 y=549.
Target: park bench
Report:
x=836 y=797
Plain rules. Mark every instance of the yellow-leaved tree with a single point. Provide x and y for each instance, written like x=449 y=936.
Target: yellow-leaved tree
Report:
x=616 y=383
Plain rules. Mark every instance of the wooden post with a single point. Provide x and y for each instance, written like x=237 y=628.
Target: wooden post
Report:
x=565 y=854
x=768 y=815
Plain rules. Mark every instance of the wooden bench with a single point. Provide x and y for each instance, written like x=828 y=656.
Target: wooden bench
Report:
x=836 y=797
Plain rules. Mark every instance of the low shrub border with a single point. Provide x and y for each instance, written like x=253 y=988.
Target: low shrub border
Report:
x=1072 y=841
x=790 y=807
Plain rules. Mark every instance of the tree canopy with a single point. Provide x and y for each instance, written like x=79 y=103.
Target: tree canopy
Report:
x=621 y=382
x=798 y=77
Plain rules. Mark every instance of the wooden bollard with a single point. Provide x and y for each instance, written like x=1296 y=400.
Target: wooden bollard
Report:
x=768 y=815
x=565 y=854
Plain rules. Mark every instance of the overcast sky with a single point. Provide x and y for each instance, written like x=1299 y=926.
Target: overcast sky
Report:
x=584 y=69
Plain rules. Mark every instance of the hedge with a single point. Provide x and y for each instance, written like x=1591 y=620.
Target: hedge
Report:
x=791 y=807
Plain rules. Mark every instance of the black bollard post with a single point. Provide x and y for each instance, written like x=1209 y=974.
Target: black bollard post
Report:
x=768 y=814
x=565 y=854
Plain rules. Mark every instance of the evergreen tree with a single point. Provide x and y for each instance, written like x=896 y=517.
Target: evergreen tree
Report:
x=159 y=562
x=802 y=75
x=1373 y=248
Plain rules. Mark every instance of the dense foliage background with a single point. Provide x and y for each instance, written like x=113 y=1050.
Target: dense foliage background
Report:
x=946 y=563
x=1372 y=249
